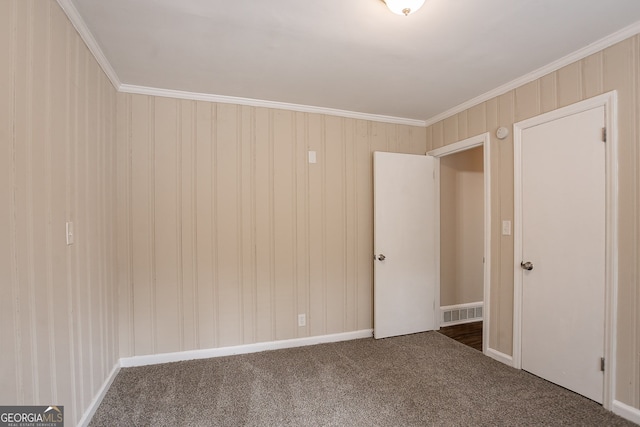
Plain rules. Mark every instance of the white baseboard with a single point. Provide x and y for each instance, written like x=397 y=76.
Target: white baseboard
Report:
x=500 y=357
x=627 y=412
x=95 y=403
x=154 y=359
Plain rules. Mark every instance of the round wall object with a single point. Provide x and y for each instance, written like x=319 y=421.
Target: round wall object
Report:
x=502 y=132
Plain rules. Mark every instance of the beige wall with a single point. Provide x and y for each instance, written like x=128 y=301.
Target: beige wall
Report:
x=227 y=233
x=613 y=68
x=462 y=227
x=57 y=129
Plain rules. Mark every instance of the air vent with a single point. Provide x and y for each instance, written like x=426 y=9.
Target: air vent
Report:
x=463 y=313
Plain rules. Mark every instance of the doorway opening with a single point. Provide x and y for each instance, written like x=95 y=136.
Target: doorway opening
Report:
x=464 y=230
x=462 y=246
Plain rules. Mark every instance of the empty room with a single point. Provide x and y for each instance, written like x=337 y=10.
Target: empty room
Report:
x=349 y=213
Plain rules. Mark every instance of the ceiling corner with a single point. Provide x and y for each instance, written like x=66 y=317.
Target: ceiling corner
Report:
x=76 y=19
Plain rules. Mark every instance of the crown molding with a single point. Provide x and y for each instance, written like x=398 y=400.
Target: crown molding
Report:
x=169 y=93
x=579 y=54
x=76 y=19
x=74 y=16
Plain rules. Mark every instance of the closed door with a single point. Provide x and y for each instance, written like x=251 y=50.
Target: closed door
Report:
x=563 y=239
x=404 y=244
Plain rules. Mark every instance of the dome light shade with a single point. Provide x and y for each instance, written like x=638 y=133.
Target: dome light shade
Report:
x=404 y=7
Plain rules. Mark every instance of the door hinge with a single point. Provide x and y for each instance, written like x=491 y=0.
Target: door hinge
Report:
x=602 y=364
x=604 y=134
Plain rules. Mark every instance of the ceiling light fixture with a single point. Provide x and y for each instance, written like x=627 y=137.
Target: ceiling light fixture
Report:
x=404 y=7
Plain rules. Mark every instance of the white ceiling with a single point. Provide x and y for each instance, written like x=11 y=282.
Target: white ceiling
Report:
x=352 y=55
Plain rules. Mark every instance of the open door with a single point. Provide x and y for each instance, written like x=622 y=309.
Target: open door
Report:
x=405 y=221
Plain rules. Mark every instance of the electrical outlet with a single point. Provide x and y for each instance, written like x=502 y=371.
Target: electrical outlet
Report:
x=302 y=319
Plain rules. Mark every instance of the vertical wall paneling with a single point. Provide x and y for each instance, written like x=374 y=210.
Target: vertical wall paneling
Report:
x=351 y=223
x=203 y=231
x=283 y=223
x=316 y=314
x=548 y=92
x=506 y=113
x=23 y=182
x=302 y=220
x=364 y=219
x=592 y=75
x=228 y=231
x=57 y=125
x=72 y=192
x=166 y=268
x=615 y=68
x=263 y=232
x=246 y=233
x=527 y=102
x=179 y=206
x=429 y=138
x=450 y=130
x=334 y=232
x=569 y=89
x=10 y=358
x=68 y=352
x=124 y=226
x=58 y=131
x=476 y=120
x=140 y=250
x=437 y=140
x=185 y=210
x=463 y=125
x=247 y=158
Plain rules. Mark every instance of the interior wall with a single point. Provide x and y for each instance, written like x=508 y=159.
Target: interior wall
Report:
x=614 y=68
x=462 y=227
x=58 y=324
x=227 y=233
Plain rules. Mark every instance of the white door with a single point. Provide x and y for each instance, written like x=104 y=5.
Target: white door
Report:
x=563 y=237
x=404 y=244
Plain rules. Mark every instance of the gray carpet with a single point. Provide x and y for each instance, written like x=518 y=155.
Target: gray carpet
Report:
x=416 y=380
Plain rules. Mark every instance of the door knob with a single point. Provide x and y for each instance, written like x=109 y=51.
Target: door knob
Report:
x=381 y=257
x=526 y=265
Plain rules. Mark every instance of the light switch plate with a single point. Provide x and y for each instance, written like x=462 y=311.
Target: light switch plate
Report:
x=312 y=157
x=506 y=228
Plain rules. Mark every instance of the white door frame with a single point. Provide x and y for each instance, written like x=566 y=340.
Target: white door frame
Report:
x=482 y=140
x=609 y=102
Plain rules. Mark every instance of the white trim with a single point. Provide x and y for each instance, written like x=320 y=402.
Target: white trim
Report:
x=609 y=102
x=154 y=359
x=579 y=54
x=95 y=403
x=499 y=356
x=93 y=46
x=627 y=412
x=464 y=305
x=436 y=296
x=483 y=140
x=169 y=93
